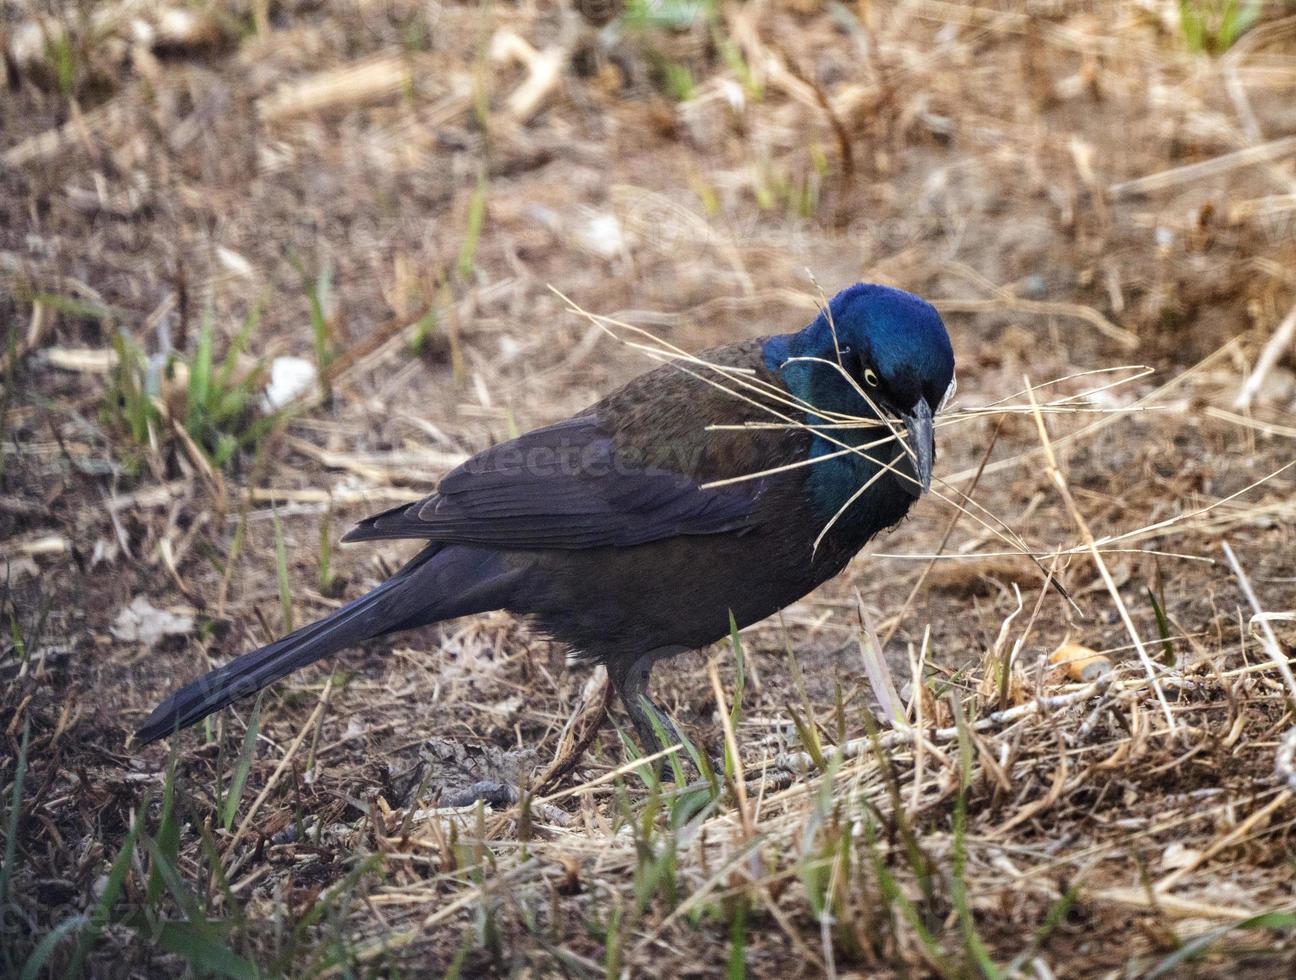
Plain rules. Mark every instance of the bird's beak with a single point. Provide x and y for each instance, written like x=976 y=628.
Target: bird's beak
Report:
x=922 y=443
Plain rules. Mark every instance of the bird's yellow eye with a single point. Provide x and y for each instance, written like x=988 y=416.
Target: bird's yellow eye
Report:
x=870 y=377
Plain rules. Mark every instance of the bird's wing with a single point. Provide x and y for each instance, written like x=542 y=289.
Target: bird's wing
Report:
x=565 y=486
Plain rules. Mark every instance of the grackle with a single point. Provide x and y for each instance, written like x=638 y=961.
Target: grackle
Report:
x=736 y=481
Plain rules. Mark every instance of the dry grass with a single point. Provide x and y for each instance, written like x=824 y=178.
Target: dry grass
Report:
x=404 y=195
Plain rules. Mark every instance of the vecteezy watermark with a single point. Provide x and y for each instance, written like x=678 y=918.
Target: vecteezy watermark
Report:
x=588 y=459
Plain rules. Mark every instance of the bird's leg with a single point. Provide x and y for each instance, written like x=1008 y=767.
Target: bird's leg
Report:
x=630 y=679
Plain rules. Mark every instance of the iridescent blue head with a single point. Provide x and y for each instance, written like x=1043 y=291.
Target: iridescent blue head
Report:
x=897 y=352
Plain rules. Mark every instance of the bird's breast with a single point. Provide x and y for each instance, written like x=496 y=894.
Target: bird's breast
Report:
x=854 y=493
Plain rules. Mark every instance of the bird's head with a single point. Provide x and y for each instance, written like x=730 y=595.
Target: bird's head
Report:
x=897 y=354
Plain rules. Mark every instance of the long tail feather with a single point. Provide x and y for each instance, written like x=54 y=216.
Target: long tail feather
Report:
x=439 y=583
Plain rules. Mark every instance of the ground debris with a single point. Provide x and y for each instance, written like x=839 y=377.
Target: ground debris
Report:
x=142 y=622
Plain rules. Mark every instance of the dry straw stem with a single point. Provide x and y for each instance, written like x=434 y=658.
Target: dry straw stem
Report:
x=1267 y=428
x=1281 y=340
x=579 y=732
x=1171 y=906
x=731 y=741
x=80 y=128
x=1180 y=524
x=1214 y=167
x=41 y=545
x=210 y=475
x=382 y=467
x=1227 y=840
x=306 y=729
x=1272 y=649
x=78 y=360
x=1055 y=474
x=1209 y=361
x=1124 y=337
x=357 y=84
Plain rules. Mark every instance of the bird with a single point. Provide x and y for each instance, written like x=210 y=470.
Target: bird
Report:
x=717 y=487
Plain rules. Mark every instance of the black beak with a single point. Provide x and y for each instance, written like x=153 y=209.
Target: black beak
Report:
x=921 y=439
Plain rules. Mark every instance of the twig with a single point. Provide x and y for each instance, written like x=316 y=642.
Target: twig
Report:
x=543 y=68
x=568 y=761
x=801 y=761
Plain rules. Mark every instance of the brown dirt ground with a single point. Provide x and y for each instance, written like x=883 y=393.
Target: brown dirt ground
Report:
x=971 y=154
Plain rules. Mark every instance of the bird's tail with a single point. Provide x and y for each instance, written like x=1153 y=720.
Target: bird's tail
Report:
x=438 y=583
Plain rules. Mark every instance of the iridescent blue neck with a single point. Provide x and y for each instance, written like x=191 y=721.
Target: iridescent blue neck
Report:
x=832 y=482
x=816 y=383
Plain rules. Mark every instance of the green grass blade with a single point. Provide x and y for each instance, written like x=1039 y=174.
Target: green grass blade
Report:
x=738 y=941
x=49 y=942
x=326 y=574
x=112 y=891
x=281 y=570
x=1173 y=964
x=809 y=737
x=473 y=230
x=196 y=944
x=225 y=377
x=667 y=739
x=318 y=299
x=20 y=650
x=167 y=873
x=894 y=896
x=77 y=307
x=740 y=690
x=317 y=909
x=198 y=397
x=423 y=329
x=15 y=808
x=1056 y=914
x=973 y=945
x=1163 y=628
x=168 y=836
x=920 y=863
x=455 y=970
x=216 y=872
x=321 y=300
x=244 y=765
